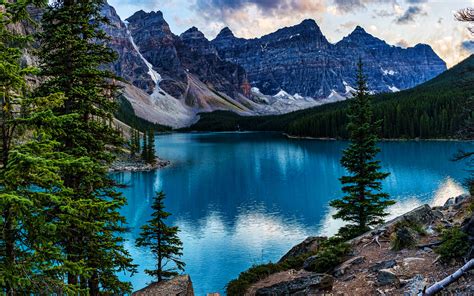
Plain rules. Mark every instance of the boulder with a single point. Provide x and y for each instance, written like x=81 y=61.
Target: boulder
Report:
x=309 y=263
x=305 y=285
x=178 y=286
x=383 y=265
x=310 y=244
x=455 y=201
x=387 y=277
x=415 y=285
x=345 y=266
x=468 y=226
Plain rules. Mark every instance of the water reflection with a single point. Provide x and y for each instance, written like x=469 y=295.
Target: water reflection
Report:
x=243 y=199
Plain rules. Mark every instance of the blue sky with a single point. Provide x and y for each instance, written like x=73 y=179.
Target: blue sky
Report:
x=399 y=22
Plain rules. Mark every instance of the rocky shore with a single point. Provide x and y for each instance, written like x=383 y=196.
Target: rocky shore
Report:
x=372 y=267
x=137 y=165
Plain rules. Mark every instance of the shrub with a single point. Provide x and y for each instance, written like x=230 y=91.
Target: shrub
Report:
x=455 y=244
x=331 y=254
x=329 y=257
x=415 y=226
x=402 y=238
x=258 y=272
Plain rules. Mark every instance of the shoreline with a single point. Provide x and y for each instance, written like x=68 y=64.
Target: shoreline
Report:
x=382 y=139
x=134 y=165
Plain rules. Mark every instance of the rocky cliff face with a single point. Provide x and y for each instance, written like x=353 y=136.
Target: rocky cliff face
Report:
x=175 y=57
x=300 y=60
x=129 y=65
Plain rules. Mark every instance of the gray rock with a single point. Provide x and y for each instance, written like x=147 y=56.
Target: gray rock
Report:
x=345 y=266
x=178 y=286
x=306 y=285
x=387 y=277
x=310 y=244
x=415 y=285
x=468 y=226
x=383 y=265
x=309 y=263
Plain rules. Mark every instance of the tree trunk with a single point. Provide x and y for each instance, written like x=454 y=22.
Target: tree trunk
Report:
x=448 y=280
x=9 y=246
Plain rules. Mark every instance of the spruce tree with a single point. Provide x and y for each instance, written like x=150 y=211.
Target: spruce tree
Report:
x=163 y=242
x=144 y=154
x=72 y=56
x=364 y=205
x=133 y=142
x=151 y=158
x=30 y=166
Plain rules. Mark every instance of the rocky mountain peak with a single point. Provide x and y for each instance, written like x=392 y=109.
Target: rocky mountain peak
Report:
x=192 y=33
x=225 y=33
x=197 y=42
x=360 y=38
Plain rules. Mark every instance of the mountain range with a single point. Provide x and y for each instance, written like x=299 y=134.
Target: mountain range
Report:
x=171 y=79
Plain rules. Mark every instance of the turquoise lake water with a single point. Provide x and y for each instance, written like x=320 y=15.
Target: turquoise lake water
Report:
x=246 y=198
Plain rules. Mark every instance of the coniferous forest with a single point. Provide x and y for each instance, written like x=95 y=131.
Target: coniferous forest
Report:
x=65 y=123
x=431 y=110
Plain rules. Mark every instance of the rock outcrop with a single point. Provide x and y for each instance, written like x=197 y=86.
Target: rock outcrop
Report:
x=129 y=65
x=178 y=286
x=305 y=285
x=300 y=60
x=309 y=245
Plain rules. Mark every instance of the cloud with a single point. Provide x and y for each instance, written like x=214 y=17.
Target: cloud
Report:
x=416 y=1
x=410 y=14
x=403 y=43
x=345 y=6
x=264 y=6
x=252 y=18
x=384 y=13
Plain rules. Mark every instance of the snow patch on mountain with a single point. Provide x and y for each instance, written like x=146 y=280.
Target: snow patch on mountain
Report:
x=393 y=88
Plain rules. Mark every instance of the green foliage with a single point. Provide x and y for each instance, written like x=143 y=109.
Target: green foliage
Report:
x=258 y=272
x=150 y=153
x=134 y=142
x=163 y=242
x=431 y=110
x=363 y=205
x=402 y=238
x=72 y=55
x=455 y=244
x=404 y=235
x=329 y=257
x=332 y=253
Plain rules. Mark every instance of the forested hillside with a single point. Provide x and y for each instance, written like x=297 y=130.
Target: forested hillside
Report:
x=431 y=110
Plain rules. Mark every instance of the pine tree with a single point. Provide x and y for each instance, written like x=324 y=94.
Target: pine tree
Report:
x=144 y=154
x=364 y=205
x=137 y=141
x=163 y=241
x=72 y=56
x=134 y=142
x=30 y=166
x=151 y=158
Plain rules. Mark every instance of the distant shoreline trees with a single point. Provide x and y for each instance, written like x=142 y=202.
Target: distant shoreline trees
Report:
x=363 y=205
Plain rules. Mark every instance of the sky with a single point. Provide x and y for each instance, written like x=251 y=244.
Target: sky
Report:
x=399 y=22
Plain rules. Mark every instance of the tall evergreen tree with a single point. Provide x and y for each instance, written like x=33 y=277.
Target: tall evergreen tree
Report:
x=151 y=157
x=72 y=54
x=144 y=154
x=363 y=205
x=163 y=241
x=30 y=166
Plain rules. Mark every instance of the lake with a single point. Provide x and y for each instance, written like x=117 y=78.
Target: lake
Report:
x=246 y=198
